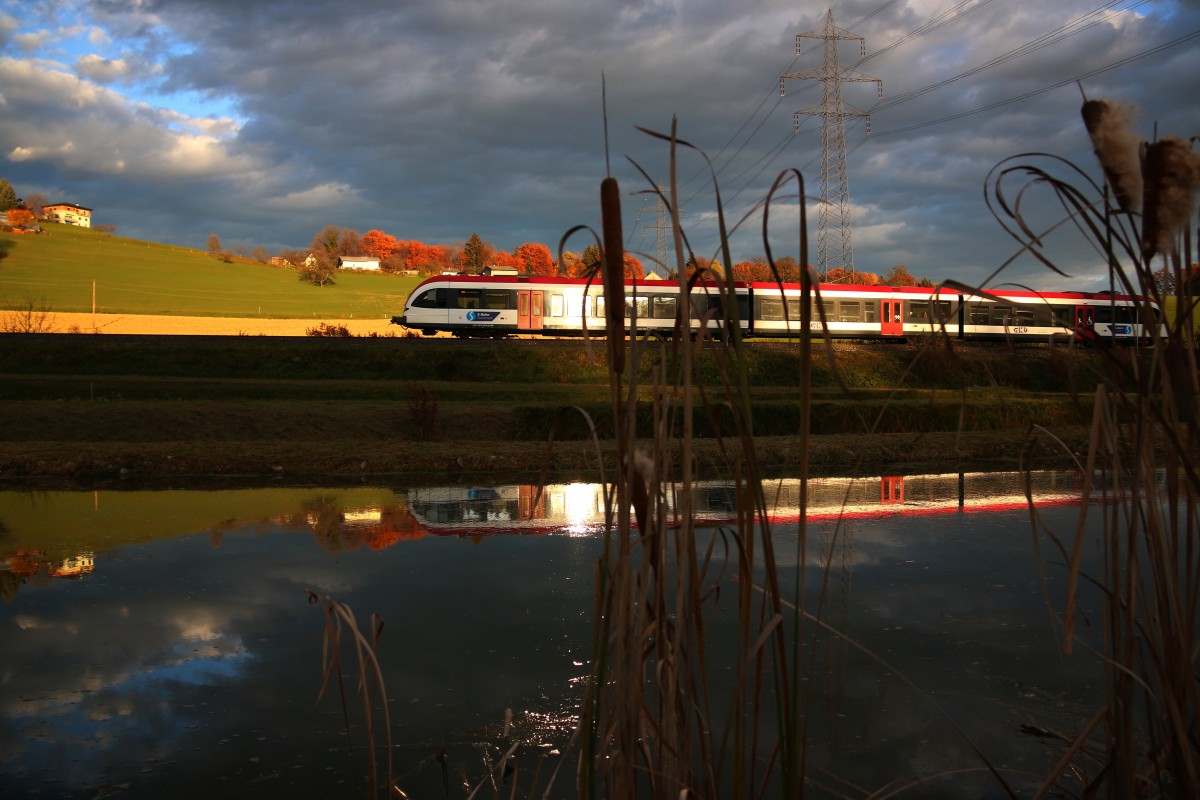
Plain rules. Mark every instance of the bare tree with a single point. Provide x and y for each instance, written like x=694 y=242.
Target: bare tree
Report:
x=30 y=316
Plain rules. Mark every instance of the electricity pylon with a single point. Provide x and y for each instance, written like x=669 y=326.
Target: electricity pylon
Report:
x=835 y=242
x=662 y=228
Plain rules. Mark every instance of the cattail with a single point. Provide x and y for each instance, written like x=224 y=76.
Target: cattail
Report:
x=1117 y=147
x=1172 y=175
x=613 y=273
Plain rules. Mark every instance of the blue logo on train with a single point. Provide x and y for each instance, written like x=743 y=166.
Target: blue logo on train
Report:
x=482 y=316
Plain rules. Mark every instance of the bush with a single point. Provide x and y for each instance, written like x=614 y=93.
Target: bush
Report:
x=326 y=329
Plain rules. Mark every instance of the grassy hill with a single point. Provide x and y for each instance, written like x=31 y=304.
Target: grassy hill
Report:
x=56 y=270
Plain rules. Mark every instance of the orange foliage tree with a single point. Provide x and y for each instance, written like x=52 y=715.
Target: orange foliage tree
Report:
x=851 y=276
x=428 y=258
x=20 y=217
x=535 y=259
x=502 y=258
x=634 y=268
x=378 y=244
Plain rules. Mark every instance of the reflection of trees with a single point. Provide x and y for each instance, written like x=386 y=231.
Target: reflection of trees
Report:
x=9 y=584
x=323 y=517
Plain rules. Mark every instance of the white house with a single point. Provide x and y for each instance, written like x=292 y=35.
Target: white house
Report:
x=492 y=270
x=69 y=214
x=359 y=262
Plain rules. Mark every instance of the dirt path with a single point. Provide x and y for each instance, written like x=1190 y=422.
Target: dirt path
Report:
x=209 y=326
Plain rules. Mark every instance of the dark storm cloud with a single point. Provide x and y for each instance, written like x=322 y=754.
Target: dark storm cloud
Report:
x=436 y=119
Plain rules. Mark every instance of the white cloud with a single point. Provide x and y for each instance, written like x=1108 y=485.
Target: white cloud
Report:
x=100 y=69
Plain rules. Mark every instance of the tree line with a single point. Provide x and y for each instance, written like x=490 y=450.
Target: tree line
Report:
x=318 y=263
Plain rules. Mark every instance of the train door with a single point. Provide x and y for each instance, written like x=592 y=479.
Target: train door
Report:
x=1085 y=322
x=891 y=490
x=529 y=309
x=891 y=317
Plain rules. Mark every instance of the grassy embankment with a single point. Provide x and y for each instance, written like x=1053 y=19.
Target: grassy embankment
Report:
x=92 y=407
x=56 y=271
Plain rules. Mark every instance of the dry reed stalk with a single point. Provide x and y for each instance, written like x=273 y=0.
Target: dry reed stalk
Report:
x=1143 y=740
x=340 y=618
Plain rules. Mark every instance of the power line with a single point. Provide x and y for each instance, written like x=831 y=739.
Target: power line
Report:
x=1129 y=60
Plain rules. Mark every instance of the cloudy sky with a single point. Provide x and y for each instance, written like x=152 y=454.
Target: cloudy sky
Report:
x=265 y=120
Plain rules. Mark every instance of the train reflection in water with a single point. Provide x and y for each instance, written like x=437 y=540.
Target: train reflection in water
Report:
x=579 y=508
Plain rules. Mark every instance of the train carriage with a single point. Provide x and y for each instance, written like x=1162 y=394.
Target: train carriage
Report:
x=465 y=305
x=468 y=305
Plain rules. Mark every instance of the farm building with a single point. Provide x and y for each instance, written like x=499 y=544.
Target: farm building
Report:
x=359 y=262
x=69 y=214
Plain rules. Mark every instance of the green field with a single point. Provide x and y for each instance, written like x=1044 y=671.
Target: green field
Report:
x=56 y=271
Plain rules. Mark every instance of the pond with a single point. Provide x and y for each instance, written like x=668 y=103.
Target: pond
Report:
x=161 y=643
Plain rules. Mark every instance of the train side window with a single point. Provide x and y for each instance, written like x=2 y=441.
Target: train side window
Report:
x=850 y=311
x=1126 y=314
x=636 y=303
x=600 y=306
x=1023 y=316
x=871 y=311
x=1064 y=316
x=587 y=305
x=1001 y=315
x=498 y=299
x=1103 y=314
x=556 y=305
x=468 y=298
x=770 y=309
x=431 y=298
x=523 y=304
x=981 y=314
x=793 y=308
x=663 y=307
x=828 y=306
x=941 y=311
x=918 y=310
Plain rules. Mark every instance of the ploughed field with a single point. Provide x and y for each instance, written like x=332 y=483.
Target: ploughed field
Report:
x=285 y=406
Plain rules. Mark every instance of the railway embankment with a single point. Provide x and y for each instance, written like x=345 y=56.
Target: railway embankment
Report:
x=107 y=407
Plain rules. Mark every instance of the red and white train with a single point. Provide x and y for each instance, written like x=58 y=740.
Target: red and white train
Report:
x=468 y=305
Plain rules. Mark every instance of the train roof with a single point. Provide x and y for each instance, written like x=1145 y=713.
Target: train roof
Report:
x=832 y=289
x=558 y=280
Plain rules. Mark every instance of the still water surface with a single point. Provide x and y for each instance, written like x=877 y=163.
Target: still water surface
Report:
x=160 y=644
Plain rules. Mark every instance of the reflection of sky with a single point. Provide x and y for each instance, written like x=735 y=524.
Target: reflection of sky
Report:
x=208 y=659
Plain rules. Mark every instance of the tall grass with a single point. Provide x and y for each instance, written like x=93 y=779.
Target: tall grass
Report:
x=1143 y=740
x=661 y=718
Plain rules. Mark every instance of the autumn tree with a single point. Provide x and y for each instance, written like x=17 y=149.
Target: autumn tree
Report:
x=851 y=276
x=428 y=258
x=899 y=276
x=318 y=267
x=8 y=197
x=214 y=244
x=634 y=268
x=21 y=218
x=37 y=204
x=378 y=244
x=349 y=243
x=535 y=259
x=503 y=258
x=326 y=241
x=569 y=264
